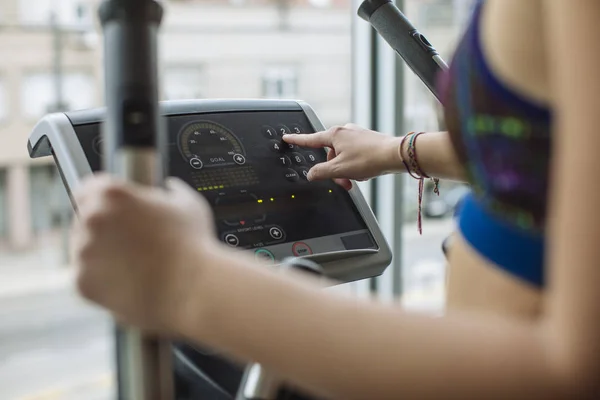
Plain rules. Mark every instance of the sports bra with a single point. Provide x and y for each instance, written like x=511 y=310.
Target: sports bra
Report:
x=504 y=142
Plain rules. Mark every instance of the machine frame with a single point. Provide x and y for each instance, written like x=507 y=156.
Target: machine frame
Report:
x=55 y=136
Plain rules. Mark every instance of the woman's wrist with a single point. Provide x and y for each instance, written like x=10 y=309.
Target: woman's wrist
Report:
x=393 y=155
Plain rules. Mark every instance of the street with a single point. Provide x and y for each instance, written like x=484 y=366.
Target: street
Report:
x=53 y=346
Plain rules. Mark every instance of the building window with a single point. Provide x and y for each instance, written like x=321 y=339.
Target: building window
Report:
x=38 y=94
x=280 y=83
x=184 y=82
x=75 y=14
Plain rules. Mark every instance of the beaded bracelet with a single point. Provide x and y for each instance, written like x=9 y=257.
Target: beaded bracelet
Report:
x=414 y=170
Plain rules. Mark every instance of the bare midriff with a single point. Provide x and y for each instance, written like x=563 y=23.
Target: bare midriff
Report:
x=510 y=28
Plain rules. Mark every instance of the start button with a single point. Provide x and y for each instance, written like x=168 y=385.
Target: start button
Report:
x=265 y=256
x=301 y=249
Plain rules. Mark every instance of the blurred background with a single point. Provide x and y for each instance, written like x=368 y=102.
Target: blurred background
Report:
x=52 y=345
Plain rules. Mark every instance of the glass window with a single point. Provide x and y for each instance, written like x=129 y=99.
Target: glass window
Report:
x=4 y=106
x=280 y=83
x=208 y=49
x=3 y=214
x=38 y=93
x=184 y=82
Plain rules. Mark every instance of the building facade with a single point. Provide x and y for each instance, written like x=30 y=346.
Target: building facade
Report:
x=51 y=59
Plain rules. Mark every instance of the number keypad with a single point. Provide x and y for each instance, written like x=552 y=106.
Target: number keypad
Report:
x=295 y=161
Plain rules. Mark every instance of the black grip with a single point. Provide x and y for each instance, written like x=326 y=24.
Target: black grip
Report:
x=130 y=32
x=412 y=46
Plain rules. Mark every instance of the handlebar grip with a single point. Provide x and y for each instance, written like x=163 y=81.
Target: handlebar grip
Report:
x=411 y=45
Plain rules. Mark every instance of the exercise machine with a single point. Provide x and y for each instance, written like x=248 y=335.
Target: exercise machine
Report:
x=231 y=152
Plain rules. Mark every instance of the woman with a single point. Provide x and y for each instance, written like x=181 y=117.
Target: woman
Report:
x=523 y=300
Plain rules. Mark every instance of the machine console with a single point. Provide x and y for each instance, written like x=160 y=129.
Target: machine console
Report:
x=232 y=153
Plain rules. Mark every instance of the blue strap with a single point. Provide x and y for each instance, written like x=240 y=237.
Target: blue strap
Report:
x=518 y=252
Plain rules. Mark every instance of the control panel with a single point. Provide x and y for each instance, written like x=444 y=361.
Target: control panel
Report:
x=232 y=153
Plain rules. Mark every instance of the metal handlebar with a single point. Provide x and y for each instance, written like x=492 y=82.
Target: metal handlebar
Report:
x=411 y=45
x=133 y=136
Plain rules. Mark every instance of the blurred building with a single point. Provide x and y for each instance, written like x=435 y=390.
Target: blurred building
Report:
x=51 y=59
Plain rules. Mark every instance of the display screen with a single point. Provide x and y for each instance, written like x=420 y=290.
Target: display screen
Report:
x=256 y=183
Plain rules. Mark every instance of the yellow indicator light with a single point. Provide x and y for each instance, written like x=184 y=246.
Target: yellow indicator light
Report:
x=199 y=189
x=330 y=191
x=221 y=187
x=260 y=202
x=272 y=199
x=205 y=188
x=210 y=188
x=293 y=196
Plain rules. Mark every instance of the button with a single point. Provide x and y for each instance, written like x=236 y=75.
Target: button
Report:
x=269 y=132
x=283 y=130
x=292 y=175
x=298 y=159
x=276 y=233
x=232 y=240
x=264 y=255
x=276 y=146
x=289 y=146
x=239 y=159
x=301 y=249
x=196 y=163
x=303 y=172
x=311 y=157
x=285 y=161
x=297 y=129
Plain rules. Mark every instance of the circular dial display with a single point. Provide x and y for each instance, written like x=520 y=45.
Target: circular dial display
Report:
x=205 y=144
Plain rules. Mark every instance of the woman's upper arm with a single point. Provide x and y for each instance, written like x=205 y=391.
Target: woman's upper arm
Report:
x=572 y=32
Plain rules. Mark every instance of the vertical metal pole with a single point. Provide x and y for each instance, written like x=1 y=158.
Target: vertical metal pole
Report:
x=387 y=111
x=58 y=106
x=361 y=100
x=399 y=179
x=134 y=141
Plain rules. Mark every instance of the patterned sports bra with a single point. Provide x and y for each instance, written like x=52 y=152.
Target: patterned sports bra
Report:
x=504 y=142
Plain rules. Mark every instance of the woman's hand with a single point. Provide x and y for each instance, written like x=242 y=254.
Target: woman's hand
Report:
x=134 y=247
x=355 y=153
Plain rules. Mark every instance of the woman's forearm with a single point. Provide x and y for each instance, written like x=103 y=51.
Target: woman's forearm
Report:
x=353 y=349
x=437 y=157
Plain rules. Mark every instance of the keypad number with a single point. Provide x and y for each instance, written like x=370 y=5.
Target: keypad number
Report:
x=285 y=161
x=311 y=158
x=298 y=159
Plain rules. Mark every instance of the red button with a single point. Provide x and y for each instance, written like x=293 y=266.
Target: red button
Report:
x=301 y=249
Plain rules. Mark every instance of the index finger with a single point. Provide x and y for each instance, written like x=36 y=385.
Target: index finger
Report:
x=314 y=140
